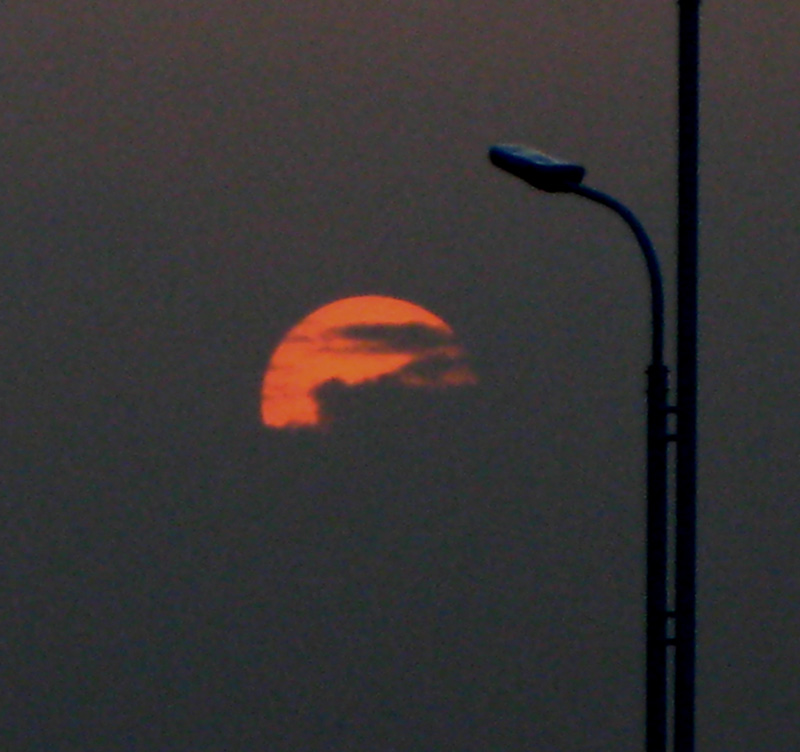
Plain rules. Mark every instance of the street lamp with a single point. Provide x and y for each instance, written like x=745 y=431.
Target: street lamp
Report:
x=557 y=176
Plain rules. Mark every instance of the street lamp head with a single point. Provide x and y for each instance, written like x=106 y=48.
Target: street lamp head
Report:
x=537 y=169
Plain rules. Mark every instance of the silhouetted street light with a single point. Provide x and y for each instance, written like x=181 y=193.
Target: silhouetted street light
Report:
x=557 y=176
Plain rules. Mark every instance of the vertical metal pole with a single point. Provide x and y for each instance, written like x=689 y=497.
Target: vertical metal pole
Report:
x=656 y=625
x=686 y=486
x=657 y=520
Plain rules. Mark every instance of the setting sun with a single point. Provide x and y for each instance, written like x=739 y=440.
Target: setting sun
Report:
x=356 y=340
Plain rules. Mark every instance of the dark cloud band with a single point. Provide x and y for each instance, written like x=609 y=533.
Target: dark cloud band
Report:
x=395 y=338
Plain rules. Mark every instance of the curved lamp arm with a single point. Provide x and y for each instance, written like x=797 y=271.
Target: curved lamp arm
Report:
x=650 y=258
x=555 y=175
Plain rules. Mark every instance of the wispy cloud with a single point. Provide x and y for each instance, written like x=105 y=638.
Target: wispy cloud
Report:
x=412 y=338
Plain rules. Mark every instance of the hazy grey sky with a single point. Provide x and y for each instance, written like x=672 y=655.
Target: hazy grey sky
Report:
x=183 y=181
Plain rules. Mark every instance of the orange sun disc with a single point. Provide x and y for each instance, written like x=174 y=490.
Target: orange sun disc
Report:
x=354 y=340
